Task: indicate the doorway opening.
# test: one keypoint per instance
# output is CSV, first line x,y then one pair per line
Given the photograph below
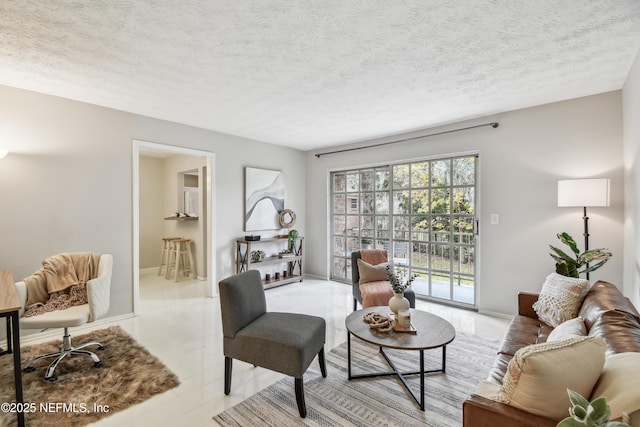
x,y
201,205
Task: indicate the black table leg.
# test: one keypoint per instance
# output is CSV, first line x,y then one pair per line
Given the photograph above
x,y
13,346
444,358
8,350
419,399
422,380
17,363
349,355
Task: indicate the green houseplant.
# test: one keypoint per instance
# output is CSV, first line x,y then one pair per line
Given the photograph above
x,y
585,413
293,235
257,256
570,266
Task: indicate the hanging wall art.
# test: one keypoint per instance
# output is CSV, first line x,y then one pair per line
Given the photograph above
x,y
264,199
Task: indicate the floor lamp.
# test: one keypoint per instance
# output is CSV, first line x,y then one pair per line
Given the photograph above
x,y
583,193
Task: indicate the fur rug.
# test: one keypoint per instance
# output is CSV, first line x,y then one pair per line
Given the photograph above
x,y
130,375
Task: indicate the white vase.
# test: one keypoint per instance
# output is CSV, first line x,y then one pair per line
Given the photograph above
x,y
398,302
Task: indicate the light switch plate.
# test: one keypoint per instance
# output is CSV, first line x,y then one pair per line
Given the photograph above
x,y
495,218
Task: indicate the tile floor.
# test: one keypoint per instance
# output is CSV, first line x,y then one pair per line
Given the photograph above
x,y
182,327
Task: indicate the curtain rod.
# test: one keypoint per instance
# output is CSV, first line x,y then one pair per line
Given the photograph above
x,y
492,124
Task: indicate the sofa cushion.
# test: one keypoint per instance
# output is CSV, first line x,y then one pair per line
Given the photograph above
x,y
487,389
372,273
604,296
560,298
619,383
610,315
570,329
499,368
538,375
524,331
619,329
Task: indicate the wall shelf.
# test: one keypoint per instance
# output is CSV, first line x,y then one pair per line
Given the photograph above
x,y
293,263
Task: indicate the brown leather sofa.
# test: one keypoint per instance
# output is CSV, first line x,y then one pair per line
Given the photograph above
x,y
606,313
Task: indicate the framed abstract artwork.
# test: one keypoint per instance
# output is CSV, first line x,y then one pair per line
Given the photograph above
x,y
264,198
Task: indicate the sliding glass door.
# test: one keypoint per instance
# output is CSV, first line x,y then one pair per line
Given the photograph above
x,y
422,213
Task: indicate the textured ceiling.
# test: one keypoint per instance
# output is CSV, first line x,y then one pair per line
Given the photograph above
x,y
309,74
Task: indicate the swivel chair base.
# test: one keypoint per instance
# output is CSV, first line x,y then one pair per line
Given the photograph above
x,y
66,349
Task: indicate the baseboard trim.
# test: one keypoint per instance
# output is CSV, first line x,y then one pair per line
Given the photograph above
x,y
55,333
314,276
148,270
496,314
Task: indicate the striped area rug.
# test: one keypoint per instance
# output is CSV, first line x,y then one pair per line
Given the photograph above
x,y
382,401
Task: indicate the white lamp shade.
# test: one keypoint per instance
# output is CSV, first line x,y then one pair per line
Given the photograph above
x,y
583,192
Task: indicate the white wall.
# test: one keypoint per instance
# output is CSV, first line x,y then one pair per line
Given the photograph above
x,y
631,120
520,164
151,210
67,183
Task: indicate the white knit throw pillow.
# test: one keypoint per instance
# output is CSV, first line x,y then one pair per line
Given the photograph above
x,y
560,299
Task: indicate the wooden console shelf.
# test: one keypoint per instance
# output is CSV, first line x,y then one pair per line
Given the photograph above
x,y
293,263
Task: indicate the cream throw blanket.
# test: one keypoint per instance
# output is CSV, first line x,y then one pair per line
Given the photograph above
x,y
61,282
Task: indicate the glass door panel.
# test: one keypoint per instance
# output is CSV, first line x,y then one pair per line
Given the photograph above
x,y
422,213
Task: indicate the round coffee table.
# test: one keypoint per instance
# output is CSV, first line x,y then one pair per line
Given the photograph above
x,y
432,332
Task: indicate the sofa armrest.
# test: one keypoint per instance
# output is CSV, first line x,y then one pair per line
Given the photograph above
x,y
478,411
525,304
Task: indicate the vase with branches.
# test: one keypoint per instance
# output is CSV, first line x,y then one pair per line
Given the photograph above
x,y
400,281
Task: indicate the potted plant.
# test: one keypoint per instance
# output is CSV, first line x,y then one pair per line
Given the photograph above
x,y
293,235
257,256
569,266
585,413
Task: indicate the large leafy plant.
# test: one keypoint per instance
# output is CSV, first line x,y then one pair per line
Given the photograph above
x,y
570,266
585,413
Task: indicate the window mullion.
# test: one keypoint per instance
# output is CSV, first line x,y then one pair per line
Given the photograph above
x,y
390,229
451,239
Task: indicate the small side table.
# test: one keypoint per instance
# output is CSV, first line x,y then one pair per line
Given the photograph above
x,y
10,310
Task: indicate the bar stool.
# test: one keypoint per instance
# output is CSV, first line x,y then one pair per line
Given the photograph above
x,y
180,253
167,244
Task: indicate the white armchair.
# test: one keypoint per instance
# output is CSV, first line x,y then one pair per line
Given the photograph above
x,y
98,293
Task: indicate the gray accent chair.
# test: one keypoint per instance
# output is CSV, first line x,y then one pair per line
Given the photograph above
x,y
355,283
282,342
